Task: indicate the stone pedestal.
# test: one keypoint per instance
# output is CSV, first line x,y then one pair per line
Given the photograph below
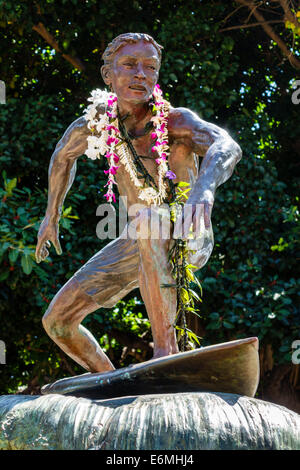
x,y
177,421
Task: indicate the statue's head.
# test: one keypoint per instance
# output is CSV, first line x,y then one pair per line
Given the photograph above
x,y
131,66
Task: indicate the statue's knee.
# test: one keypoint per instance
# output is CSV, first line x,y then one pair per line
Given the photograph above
x,y
47,320
64,312
55,323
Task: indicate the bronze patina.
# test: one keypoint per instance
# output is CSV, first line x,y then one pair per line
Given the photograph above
x,y
231,367
131,70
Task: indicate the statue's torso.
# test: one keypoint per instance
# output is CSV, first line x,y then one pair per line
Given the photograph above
x,y
182,161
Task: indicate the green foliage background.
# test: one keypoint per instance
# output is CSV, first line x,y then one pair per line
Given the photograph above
x,y
235,79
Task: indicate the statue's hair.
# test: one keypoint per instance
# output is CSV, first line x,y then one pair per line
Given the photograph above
x,y
126,38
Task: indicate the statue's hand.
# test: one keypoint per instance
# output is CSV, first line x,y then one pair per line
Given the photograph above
x,y
194,216
48,232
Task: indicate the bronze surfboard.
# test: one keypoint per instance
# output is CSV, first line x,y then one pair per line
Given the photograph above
x,y
231,367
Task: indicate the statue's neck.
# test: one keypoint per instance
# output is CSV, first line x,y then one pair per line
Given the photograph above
x,y
135,116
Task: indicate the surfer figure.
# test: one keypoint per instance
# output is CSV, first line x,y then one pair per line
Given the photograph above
x,y
149,147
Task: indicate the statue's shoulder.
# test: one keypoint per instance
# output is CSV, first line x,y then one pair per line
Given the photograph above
x,y
181,118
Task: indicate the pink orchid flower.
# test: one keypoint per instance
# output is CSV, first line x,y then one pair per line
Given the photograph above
x,y
111,127
112,140
111,100
110,196
170,175
112,170
111,115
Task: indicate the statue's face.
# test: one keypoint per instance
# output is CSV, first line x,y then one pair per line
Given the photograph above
x,y
134,72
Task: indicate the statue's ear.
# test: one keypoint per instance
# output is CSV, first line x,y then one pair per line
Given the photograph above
x,y
105,72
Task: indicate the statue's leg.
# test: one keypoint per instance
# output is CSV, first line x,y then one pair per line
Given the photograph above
x,y
101,282
155,270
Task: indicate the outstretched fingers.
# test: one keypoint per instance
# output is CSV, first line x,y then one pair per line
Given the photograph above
x,y
207,214
57,246
41,251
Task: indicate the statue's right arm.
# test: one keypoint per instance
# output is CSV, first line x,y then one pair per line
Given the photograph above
x,y
62,171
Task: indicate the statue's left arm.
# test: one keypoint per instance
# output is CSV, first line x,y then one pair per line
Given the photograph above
x,y
220,155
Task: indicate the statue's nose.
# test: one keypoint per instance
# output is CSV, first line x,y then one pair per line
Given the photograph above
x,y
140,72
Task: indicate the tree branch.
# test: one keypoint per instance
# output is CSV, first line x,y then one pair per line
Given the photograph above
x,y
232,13
251,25
42,31
271,33
288,14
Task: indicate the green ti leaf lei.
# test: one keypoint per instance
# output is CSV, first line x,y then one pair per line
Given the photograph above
x,y
183,274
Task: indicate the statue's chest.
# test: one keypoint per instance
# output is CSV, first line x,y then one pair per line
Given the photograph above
x,y
178,153
143,145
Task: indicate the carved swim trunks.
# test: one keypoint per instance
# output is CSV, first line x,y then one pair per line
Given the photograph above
x,y
113,272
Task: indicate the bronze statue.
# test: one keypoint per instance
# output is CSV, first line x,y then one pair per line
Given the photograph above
x,y
130,70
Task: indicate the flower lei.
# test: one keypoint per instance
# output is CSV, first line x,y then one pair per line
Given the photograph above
x,y
115,149
111,146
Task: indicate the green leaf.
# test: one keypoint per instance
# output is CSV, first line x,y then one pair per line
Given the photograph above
x,y
197,282
181,191
4,228
195,295
5,246
189,274
10,185
27,264
67,211
180,332
191,266
213,325
65,223
4,275
184,295
193,336
13,255
214,316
